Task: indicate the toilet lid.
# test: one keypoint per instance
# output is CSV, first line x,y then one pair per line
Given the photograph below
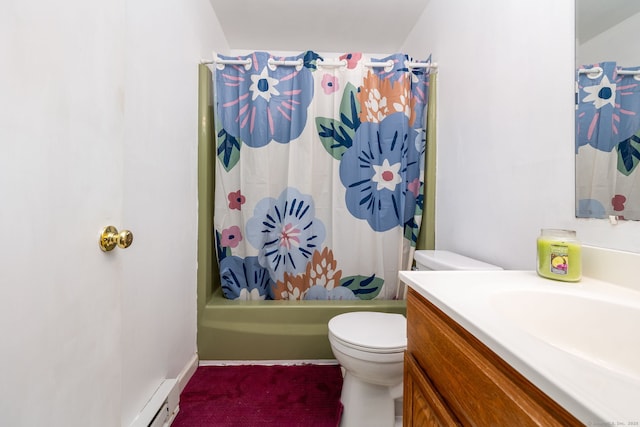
x,y
373,330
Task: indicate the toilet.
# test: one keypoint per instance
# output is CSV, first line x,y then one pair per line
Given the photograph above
x,y
370,348
445,260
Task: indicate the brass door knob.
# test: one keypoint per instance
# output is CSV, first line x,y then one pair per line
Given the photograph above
x,y
110,238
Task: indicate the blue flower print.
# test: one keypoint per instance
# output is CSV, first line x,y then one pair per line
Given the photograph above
x,y
396,71
421,145
377,171
419,94
244,279
285,232
596,107
606,107
590,208
264,103
418,83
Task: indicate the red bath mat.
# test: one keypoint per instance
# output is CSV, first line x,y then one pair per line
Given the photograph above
x,y
256,395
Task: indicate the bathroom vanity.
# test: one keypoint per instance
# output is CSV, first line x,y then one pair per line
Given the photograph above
x,y
452,378
473,357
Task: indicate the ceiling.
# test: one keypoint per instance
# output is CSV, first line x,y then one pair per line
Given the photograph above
x,y
596,16
372,26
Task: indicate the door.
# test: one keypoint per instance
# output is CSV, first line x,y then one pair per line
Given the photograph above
x,y
61,180
97,127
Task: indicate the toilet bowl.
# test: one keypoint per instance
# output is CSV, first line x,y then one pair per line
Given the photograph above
x,y
370,348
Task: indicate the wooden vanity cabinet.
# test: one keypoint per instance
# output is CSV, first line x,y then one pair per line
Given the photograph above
x,y
451,378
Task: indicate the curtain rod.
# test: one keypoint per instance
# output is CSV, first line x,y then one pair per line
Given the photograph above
x,y
272,62
596,71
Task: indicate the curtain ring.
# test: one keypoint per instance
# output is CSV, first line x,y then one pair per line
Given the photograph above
x,y
594,72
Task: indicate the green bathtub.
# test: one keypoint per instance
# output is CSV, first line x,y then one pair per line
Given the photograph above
x,y
274,330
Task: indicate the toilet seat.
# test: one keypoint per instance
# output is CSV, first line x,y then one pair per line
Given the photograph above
x,y
371,332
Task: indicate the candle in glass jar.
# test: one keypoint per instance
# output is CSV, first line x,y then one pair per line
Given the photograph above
x,y
559,255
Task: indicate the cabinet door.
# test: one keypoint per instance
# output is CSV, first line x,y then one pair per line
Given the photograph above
x,y
423,406
480,388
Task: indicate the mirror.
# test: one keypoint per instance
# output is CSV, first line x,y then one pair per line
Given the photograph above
x,y
607,109
602,33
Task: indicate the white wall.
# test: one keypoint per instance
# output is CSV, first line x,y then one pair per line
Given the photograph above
x,y
505,162
165,41
98,125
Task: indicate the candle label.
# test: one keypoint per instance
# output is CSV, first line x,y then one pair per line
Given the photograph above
x,y
559,259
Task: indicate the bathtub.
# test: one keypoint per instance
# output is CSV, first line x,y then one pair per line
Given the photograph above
x,y
274,330
253,330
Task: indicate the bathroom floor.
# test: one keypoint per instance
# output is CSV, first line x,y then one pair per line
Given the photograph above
x,y
259,395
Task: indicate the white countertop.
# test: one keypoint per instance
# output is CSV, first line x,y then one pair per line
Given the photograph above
x,y
593,393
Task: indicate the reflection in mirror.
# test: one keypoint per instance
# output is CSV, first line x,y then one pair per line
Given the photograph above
x,y
607,109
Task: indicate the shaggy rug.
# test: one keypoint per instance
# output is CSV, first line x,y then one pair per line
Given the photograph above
x,y
257,395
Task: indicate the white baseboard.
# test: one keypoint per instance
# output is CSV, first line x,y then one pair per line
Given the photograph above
x,y
268,362
161,407
181,382
164,404
187,372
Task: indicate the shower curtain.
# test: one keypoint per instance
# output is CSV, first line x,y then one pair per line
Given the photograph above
x,y
608,142
319,188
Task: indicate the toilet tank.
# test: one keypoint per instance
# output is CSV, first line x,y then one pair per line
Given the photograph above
x,y
445,260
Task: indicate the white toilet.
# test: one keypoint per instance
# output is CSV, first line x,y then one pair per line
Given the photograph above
x,y
370,348
445,260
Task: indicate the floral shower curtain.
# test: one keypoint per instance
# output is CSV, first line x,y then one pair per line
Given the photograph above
x,y
319,174
608,142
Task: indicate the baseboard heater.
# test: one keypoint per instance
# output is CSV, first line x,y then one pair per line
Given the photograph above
x,y
162,408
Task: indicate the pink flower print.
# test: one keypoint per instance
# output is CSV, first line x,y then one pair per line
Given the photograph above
x,y
414,187
618,202
352,59
330,84
289,236
236,200
231,237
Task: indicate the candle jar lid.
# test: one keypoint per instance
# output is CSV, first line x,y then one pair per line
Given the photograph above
x,y
558,233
